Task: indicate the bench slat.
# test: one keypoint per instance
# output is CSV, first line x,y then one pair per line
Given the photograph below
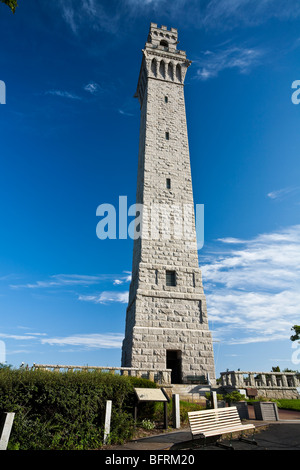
x,y
224,431
216,426
212,421
216,422
224,428
218,411
213,418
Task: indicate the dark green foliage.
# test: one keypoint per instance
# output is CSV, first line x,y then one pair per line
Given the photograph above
x,y
296,336
11,3
66,410
234,396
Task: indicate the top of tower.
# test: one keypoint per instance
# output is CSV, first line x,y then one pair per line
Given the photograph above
x,y
162,38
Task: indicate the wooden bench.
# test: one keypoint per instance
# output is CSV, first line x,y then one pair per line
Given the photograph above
x,y
217,422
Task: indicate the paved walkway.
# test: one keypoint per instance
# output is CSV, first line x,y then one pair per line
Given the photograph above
x,y
276,435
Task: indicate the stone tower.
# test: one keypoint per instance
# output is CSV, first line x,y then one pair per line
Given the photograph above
x,y
166,319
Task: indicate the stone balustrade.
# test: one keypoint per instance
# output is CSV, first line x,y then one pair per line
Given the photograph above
x,y
159,376
269,384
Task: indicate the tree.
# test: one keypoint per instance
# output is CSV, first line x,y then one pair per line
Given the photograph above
x,y
11,3
296,336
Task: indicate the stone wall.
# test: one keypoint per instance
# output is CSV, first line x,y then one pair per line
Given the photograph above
x,y
266,384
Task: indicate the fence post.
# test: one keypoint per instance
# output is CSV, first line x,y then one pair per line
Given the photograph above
x,y
214,400
176,412
5,429
107,420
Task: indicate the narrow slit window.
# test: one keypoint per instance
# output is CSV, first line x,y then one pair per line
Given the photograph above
x,y
166,99
167,136
170,278
201,311
168,183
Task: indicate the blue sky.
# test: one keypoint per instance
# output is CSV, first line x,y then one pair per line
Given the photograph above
x,y
69,142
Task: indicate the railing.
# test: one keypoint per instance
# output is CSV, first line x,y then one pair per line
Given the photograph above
x,y
161,376
239,379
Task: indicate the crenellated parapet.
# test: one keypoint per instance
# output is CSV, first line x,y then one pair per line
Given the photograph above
x,y
161,59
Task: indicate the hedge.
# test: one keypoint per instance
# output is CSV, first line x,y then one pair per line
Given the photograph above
x,y
66,410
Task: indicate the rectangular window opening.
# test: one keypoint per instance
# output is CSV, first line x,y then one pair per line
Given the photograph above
x,y
166,99
167,136
170,278
168,183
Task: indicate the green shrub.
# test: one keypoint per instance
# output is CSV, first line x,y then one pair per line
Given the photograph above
x,y
185,407
234,396
147,424
58,411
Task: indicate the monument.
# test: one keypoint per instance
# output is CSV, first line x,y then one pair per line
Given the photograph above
x,y
166,318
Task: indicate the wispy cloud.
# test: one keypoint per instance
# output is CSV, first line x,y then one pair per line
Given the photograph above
x,y
18,337
106,341
203,14
283,193
93,88
63,94
243,59
125,113
232,13
123,279
89,13
106,297
253,290
86,341
61,280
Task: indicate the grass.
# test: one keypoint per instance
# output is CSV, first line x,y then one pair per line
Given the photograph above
x,y
282,404
289,405
185,407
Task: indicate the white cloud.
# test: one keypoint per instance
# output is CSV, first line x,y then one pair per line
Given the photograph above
x,y
232,13
89,13
92,88
123,279
61,280
17,337
106,341
86,341
253,290
106,297
125,113
63,94
283,193
203,14
243,59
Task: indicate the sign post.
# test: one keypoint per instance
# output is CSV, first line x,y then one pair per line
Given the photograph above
x,y
5,429
152,394
176,412
107,421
